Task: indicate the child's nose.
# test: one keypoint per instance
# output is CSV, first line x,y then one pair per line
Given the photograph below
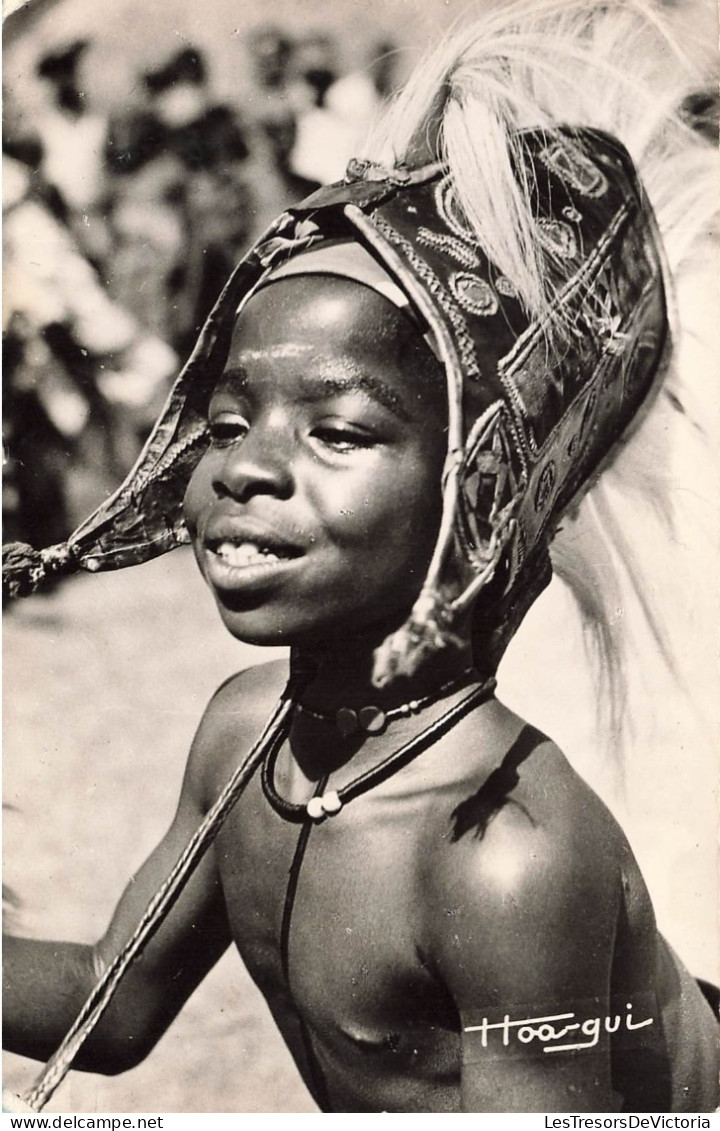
x,y
260,464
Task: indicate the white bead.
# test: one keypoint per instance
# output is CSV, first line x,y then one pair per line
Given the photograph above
x,y
315,808
331,802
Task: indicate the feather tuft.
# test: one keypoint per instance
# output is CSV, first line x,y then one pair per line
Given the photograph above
x,y
625,67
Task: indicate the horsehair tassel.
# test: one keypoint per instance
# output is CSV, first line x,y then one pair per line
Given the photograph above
x,y
25,568
61,1061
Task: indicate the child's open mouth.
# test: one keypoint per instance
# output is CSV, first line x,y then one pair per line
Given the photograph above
x,y
243,554
234,561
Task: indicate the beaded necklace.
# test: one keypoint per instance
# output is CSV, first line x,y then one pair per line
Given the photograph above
x,y
329,803
372,719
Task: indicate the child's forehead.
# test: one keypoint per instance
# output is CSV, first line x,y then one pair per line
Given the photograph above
x,y
331,327
292,315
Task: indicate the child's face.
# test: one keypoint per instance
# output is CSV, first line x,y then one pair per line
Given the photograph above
x,y
315,510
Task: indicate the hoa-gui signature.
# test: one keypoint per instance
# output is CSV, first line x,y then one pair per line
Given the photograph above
x,y
552,1029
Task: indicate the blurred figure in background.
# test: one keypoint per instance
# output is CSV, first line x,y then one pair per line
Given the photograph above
x,y
82,381
181,204
315,67
383,68
120,233
279,99
339,109
702,110
72,134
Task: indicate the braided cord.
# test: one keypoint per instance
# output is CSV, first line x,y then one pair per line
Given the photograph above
x,y
418,745
60,1062
298,812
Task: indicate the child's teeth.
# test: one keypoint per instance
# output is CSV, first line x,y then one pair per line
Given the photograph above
x,y
245,554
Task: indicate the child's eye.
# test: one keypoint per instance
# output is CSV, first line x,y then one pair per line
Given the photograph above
x,y
227,428
342,438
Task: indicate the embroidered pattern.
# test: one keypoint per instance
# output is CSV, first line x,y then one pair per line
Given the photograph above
x,y
474,294
465,343
450,245
488,494
558,238
504,287
523,371
575,168
546,483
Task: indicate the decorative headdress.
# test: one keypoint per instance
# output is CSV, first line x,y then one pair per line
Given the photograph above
x,y
529,254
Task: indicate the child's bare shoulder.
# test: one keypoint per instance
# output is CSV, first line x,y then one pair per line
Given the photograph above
x,y
232,721
532,853
250,694
546,824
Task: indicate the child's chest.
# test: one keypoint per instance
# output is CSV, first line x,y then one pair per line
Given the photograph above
x,y
328,920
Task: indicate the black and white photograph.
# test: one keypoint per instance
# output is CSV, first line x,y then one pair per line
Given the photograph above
x,y
361,545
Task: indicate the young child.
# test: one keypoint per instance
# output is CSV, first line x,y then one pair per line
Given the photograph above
x,y
404,386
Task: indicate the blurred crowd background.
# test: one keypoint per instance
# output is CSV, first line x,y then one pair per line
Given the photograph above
x,y
144,149
142,154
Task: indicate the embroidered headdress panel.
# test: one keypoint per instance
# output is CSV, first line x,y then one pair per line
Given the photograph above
x,y
533,404
540,402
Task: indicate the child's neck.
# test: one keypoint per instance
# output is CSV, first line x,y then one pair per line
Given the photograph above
x,y
340,675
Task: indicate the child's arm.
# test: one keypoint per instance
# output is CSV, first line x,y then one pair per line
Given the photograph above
x,y
45,983
529,936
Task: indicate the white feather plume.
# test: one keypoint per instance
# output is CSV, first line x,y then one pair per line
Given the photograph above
x,y
618,66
